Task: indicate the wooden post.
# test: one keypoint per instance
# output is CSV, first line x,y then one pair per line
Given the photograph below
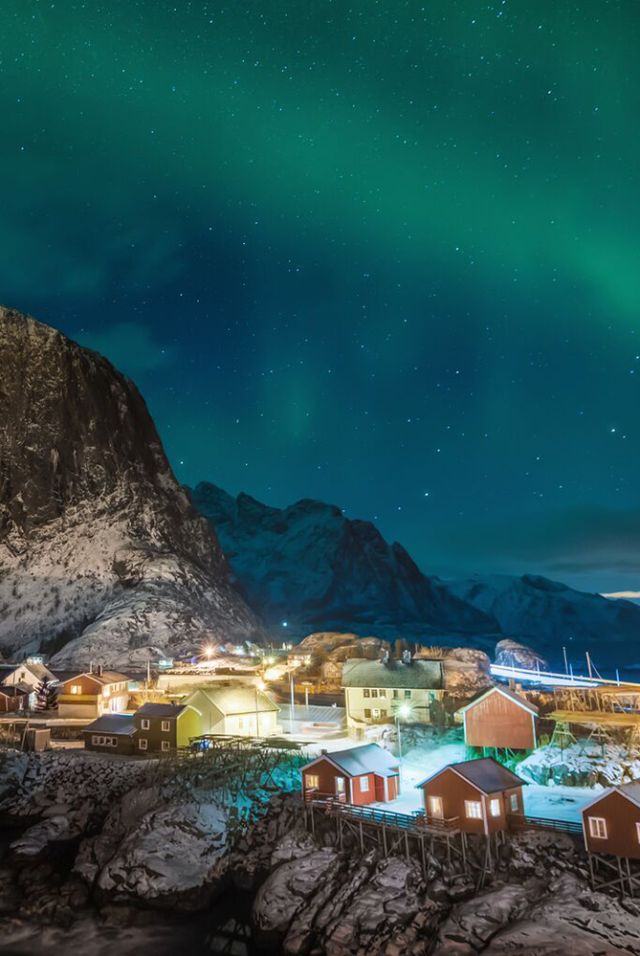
x,y
424,859
384,839
406,845
361,837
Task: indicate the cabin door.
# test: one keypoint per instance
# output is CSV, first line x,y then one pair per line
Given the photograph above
x,y
435,808
380,789
340,788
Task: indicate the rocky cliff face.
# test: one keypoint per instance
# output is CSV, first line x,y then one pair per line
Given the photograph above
x,y
101,552
314,568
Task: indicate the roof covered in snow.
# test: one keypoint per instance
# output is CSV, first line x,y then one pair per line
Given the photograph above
x,y
314,714
112,724
369,758
418,675
238,700
516,698
485,773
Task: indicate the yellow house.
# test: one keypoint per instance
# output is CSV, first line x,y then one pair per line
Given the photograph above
x,y
375,691
235,711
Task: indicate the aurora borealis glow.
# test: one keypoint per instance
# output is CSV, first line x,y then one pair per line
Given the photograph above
x,y
381,253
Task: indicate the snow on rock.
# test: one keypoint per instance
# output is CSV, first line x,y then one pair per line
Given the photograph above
x,y
101,550
175,855
578,766
36,840
510,653
286,891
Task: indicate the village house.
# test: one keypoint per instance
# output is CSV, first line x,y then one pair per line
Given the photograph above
x,y
235,711
93,693
111,733
360,775
29,674
611,822
162,728
13,699
376,690
479,795
500,719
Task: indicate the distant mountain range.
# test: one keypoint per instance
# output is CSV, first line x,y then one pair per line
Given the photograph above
x,y
315,569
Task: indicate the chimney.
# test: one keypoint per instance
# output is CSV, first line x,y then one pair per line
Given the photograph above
x,y
323,753
91,667
100,670
406,657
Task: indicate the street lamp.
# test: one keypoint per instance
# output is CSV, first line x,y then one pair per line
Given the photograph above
x,y
404,710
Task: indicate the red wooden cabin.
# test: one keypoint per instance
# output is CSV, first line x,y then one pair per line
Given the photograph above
x,y
611,822
358,776
479,795
501,719
13,699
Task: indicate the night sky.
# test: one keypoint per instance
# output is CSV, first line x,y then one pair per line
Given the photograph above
x,y
382,253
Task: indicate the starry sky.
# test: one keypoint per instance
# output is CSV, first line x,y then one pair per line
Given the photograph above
x,y
385,253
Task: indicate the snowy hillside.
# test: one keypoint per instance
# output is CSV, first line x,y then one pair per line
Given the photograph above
x,y
548,615
310,565
101,551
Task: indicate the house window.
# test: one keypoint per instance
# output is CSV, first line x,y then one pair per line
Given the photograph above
x,y
396,694
375,713
367,713
513,802
142,743
374,692
366,692
106,691
114,741
638,831
164,745
364,785
382,692
598,828
473,809
407,695
383,713
166,726
435,807
144,723
75,689
494,807
312,781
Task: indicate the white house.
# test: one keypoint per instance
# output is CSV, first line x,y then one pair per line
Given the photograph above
x,y
235,711
376,690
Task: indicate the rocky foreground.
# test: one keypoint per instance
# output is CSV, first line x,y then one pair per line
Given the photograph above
x,y
125,854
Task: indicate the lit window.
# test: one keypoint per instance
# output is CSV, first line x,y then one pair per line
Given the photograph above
x,y
364,785
375,713
106,691
513,802
367,713
312,781
114,741
144,723
473,809
94,740
165,726
598,828
638,831
374,692
494,807
142,743
382,692
435,806
165,745
75,689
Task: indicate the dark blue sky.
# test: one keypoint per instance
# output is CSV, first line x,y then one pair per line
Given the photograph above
x,y
383,254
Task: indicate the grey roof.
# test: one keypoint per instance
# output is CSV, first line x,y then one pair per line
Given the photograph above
x,y
315,714
485,773
631,790
418,675
369,758
112,724
106,677
159,710
516,698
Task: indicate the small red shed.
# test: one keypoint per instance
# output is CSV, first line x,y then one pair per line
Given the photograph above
x,y
478,794
611,822
502,719
361,775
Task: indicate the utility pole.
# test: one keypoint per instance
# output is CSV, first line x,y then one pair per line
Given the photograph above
x,y
293,701
589,664
566,663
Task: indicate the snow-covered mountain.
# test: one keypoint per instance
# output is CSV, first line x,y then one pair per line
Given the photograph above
x,y
548,615
101,553
314,568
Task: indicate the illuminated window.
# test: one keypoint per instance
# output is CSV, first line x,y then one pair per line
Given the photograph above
x,y
435,806
374,692
494,807
473,809
513,802
312,781
166,726
598,828
382,692
142,743
638,831
364,785
375,713
144,723
367,713
75,689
